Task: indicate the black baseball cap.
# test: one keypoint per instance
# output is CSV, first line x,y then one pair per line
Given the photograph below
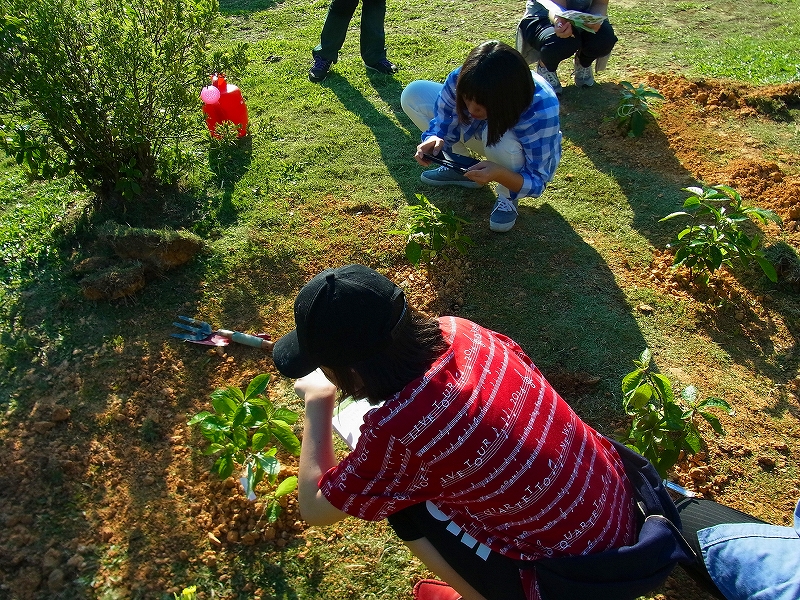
x,y
342,316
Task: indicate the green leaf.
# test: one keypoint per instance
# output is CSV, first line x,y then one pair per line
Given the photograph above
x,y
242,413
631,381
224,467
693,441
199,417
286,436
714,422
712,402
273,511
664,387
225,401
689,394
269,464
768,269
284,414
259,441
239,435
641,397
413,252
287,486
257,386
673,215
674,417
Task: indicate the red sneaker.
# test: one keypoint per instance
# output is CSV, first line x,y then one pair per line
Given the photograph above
x,y
431,589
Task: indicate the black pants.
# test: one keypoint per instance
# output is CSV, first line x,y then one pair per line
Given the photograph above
x,y
496,577
539,33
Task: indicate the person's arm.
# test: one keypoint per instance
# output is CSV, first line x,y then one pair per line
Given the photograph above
x,y
598,7
486,171
316,455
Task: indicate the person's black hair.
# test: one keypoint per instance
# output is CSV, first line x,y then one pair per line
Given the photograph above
x,y
417,346
498,78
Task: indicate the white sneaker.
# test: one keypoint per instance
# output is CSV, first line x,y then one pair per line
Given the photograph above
x,y
550,77
583,75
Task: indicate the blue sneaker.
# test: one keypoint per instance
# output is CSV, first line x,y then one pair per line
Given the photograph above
x,y
504,215
384,66
447,176
319,71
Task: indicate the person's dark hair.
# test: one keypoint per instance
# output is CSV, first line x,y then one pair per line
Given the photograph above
x,y
497,77
418,344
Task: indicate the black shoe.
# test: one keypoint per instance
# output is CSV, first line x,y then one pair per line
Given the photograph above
x,y
320,69
384,66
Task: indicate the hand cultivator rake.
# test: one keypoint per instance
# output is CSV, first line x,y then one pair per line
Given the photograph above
x,y
201,332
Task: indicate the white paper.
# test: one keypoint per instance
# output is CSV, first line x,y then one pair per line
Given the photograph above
x,y
348,417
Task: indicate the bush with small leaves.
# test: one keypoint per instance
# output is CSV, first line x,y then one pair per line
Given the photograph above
x,y
431,233
662,426
715,236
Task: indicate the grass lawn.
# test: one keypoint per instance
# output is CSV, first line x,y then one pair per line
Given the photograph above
x,y
324,176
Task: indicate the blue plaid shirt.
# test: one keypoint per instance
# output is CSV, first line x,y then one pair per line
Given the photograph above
x,y
537,130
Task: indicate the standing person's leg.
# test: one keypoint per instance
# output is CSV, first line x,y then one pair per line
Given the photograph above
x,y
332,38
471,568
334,30
373,36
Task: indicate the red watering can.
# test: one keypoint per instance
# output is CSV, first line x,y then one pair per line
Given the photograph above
x,y
222,101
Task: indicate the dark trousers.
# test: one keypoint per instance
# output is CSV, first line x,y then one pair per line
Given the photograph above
x,y
496,578
334,31
539,33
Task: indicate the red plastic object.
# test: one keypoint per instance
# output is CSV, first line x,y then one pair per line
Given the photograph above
x,y
229,107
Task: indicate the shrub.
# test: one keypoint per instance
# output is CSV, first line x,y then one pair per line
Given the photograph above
x,y
241,433
112,83
431,233
663,426
714,236
634,109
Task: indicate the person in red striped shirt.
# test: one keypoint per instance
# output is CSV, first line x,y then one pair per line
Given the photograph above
x,y
471,455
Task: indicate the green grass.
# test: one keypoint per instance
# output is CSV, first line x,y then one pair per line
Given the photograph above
x,y
323,178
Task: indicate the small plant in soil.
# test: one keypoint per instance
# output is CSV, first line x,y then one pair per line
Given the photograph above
x,y
634,108
715,236
242,430
662,424
431,233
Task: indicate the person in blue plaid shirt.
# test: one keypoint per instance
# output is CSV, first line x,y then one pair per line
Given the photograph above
x,y
496,107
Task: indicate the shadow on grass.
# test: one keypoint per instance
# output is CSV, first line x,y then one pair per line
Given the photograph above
x,y
645,168
651,179
231,7
229,161
397,146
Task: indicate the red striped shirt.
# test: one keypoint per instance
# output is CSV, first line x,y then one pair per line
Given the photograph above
x,y
485,437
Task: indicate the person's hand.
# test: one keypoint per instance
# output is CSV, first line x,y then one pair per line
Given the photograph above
x,y
433,145
484,172
563,28
315,386
594,26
